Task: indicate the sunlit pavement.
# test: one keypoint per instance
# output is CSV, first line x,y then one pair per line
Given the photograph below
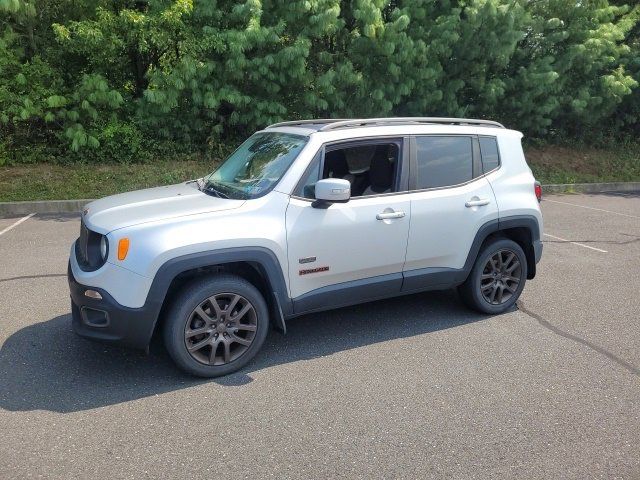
x,y
414,387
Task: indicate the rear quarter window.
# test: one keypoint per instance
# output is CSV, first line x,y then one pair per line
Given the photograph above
x,y
490,154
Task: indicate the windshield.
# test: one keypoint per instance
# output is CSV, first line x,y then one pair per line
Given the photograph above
x,y
256,166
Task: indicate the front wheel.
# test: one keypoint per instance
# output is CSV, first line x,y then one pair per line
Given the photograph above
x,y
216,325
497,278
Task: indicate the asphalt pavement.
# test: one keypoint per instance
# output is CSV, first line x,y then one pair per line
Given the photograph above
x,y
414,387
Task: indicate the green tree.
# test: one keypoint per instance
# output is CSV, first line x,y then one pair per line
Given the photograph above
x,y
568,71
101,79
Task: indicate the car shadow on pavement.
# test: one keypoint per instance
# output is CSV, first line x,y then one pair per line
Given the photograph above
x,y
47,367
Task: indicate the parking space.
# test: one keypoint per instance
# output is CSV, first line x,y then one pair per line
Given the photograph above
x,y
8,224
413,387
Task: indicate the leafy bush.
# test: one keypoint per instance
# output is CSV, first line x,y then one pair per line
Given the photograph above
x,y
122,142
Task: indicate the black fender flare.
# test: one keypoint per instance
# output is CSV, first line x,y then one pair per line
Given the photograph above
x,y
494,226
262,257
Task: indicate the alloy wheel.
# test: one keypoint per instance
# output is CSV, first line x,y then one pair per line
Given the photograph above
x,y
221,329
501,277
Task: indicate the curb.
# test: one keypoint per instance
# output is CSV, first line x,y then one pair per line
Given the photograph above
x,y
8,209
591,187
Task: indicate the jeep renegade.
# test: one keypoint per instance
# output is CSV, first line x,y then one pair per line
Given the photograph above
x,y
307,216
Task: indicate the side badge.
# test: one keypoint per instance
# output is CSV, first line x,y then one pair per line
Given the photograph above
x,y
314,270
307,259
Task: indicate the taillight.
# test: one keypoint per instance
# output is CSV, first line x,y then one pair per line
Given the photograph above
x,y
538,190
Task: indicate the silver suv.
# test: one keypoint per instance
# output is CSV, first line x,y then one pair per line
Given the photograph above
x,y
307,216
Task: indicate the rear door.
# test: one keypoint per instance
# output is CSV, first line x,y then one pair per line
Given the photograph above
x,y
450,200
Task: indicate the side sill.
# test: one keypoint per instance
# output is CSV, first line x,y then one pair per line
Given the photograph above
x,y
348,293
376,288
432,278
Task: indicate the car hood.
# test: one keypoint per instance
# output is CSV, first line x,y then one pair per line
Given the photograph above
x,y
152,204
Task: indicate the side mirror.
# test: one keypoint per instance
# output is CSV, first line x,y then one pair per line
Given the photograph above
x,y
331,190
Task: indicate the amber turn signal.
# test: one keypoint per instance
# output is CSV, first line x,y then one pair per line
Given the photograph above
x,y
123,248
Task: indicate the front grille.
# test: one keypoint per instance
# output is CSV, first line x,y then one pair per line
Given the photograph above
x,y
88,249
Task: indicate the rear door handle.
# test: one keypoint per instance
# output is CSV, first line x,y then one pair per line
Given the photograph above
x,y
477,203
388,215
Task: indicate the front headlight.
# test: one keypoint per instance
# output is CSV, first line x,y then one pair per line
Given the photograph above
x,y
92,249
104,248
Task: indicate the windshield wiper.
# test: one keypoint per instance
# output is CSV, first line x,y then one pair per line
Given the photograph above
x,y
210,189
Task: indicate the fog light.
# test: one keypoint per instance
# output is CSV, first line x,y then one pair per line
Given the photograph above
x,y
93,294
94,318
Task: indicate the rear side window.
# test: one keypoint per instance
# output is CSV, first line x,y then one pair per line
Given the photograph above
x,y
443,161
490,155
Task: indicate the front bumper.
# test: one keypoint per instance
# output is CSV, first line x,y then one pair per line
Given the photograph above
x,y
108,321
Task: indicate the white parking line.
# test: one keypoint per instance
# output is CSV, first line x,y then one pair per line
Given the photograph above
x,y
576,243
592,208
15,224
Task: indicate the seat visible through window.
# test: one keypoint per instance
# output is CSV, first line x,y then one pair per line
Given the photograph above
x,y
336,166
369,168
380,172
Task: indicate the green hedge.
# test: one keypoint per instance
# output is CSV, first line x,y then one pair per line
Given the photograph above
x,y
125,80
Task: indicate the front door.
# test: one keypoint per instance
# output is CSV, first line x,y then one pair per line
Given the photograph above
x,y
363,239
354,251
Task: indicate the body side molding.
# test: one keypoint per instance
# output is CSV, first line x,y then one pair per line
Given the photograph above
x,y
432,278
348,293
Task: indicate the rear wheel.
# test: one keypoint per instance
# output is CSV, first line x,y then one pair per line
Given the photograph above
x,y
497,278
216,325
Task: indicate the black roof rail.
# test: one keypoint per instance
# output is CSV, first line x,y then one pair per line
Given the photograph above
x,y
364,122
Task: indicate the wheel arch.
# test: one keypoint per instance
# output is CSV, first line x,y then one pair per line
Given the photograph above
x,y
257,265
525,231
522,229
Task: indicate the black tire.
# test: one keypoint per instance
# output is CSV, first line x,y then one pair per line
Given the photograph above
x,y
183,321
483,280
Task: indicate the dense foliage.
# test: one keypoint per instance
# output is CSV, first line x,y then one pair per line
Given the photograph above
x,y
126,79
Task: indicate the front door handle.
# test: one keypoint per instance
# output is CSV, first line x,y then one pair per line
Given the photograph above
x,y
388,215
477,203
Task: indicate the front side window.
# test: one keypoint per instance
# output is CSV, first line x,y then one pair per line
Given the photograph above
x,y
307,186
370,168
443,161
256,166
